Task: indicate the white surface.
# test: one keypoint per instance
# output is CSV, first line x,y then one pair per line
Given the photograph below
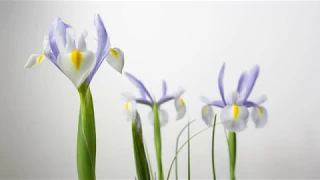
x,y
184,43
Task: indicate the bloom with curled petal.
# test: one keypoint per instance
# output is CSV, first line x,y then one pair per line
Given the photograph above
x,y
36,59
148,100
73,58
234,114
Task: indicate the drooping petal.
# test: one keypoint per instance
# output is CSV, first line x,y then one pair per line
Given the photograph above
x,y
180,106
57,26
164,88
220,83
234,117
34,59
179,92
260,99
259,116
115,58
76,65
139,85
131,109
207,114
102,45
163,117
251,80
241,82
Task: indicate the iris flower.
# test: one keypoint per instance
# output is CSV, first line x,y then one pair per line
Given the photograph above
x,y
74,59
234,114
147,99
157,116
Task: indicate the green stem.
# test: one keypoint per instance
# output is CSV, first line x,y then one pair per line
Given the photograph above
x,y
213,132
232,143
86,142
157,141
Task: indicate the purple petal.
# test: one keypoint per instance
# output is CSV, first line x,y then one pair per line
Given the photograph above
x,y
241,82
143,101
102,49
251,80
60,26
139,85
220,81
164,88
165,99
249,104
220,104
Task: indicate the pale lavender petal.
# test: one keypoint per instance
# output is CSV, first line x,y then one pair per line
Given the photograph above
x,y
102,49
241,82
164,88
251,80
165,99
220,83
139,85
143,95
249,104
60,26
143,101
220,104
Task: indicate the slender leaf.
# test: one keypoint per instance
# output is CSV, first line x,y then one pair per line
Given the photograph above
x,y
213,135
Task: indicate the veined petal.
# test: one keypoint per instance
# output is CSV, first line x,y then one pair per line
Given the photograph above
x,y
259,116
115,58
180,106
102,45
207,114
131,109
220,83
164,88
234,117
163,117
251,80
76,65
139,85
34,59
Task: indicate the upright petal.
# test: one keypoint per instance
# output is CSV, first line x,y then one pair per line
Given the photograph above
x,y
164,88
251,80
163,117
57,26
259,116
115,58
241,82
76,65
207,114
82,45
70,46
102,45
180,107
220,83
139,85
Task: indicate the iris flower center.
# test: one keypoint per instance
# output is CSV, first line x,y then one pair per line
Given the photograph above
x,y
235,111
76,58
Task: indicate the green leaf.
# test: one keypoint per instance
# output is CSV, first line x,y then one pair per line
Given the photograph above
x,y
157,141
213,133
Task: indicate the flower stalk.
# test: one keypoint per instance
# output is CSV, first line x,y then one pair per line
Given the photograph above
x,y
232,144
157,141
86,141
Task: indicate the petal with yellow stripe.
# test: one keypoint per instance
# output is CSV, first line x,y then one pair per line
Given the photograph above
x,y
115,58
131,110
234,117
180,107
76,65
207,114
34,59
259,116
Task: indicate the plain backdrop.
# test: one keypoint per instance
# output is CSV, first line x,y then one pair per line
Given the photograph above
x,y
184,43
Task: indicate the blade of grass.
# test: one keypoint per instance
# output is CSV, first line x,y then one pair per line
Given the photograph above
x,y
213,132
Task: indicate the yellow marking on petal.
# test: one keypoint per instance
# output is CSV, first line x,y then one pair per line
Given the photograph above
x,y
235,111
40,58
127,106
260,110
114,53
205,110
181,101
76,58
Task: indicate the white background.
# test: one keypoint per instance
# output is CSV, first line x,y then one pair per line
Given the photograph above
x,y
184,43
